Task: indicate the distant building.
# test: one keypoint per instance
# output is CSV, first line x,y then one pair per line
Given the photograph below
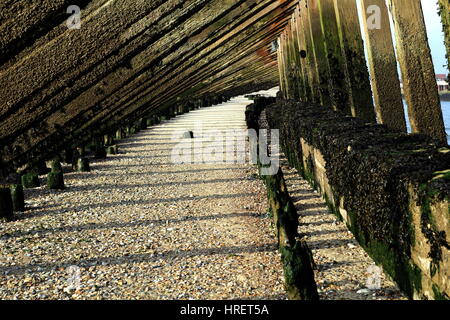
x,y
442,82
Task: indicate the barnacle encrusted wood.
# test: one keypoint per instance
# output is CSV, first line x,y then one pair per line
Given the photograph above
x,y
127,61
390,188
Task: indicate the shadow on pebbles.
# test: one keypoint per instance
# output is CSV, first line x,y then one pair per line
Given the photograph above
x,y
139,226
344,269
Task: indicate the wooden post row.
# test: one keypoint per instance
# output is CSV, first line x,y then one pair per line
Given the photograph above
x,y
416,64
382,63
322,60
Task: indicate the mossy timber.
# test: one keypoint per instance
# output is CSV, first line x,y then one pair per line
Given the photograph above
x,y
55,180
6,204
18,198
296,256
156,55
30,180
83,165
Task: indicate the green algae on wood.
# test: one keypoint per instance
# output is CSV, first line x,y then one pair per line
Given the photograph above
x,y
55,180
298,272
383,66
83,165
18,198
112,150
55,165
30,180
6,204
416,64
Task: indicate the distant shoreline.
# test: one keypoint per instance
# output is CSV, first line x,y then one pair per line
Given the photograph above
x,y
445,96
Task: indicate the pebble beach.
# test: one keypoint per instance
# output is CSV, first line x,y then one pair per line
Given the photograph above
x,y
139,226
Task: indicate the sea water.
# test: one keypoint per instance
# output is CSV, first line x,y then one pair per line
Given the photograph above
x,y
446,113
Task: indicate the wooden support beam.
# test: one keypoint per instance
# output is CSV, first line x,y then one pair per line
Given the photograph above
x,y
294,57
353,50
292,81
416,64
299,38
318,41
261,16
339,78
280,65
383,64
181,58
287,89
309,56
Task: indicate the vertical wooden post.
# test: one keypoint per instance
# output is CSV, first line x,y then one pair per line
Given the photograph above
x,y
353,50
294,63
280,65
444,11
293,89
305,92
285,90
285,66
318,41
383,64
301,44
310,57
419,78
17,197
339,79
6,205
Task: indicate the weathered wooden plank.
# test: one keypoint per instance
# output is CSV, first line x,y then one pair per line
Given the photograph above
x,y
299,38
295,61
295,57
353,51
339,79
280,65
416,64
91,114
288,89
309,56
383,64
290,61
283,65
318,41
